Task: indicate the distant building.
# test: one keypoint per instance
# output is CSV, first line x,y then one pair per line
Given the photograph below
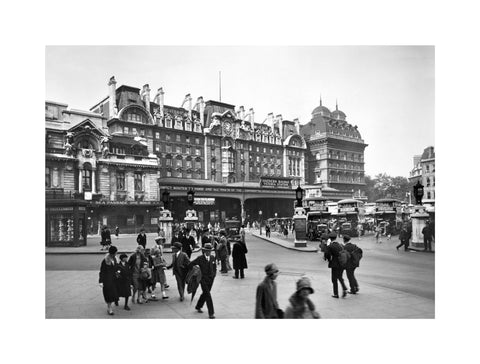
x,y
424,171
335,155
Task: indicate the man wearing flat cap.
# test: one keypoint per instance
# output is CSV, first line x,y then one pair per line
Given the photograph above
x,y
208,268
179,264
266,305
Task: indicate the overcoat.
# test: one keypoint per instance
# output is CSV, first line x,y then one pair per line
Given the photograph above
x,y
238,254
107,276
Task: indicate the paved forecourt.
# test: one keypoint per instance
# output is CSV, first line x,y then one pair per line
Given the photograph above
x,y
76,294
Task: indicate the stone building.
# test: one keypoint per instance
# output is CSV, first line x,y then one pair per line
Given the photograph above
x,y
335,155
424,171
117,159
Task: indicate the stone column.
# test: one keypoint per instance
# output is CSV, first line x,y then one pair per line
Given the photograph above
x,y
93,182
80,175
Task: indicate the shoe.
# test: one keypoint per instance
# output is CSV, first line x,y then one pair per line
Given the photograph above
x,y
335,295
397,247
181,299
165,298
153,297
167,286
211,317
199,310
242,277
352,292
116,303
235,277
126,308
344,294
111,313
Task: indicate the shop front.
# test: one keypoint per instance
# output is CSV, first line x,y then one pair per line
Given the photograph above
x,y
65,223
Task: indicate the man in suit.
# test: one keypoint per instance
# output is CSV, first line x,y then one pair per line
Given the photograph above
x,y
208,267
331,254
179,264
352,264
142,239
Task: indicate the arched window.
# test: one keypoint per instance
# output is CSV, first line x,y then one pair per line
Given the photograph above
x,y
87,177
48,180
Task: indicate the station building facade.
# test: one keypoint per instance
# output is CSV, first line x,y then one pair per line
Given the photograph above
x,y
117,158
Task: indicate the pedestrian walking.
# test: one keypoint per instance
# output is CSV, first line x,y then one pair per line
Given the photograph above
x,y
239,250
266,305
106,238
135,263
158,272
208,268
124,280
332,253
285,232
353,263
179,264
117,231
404,238
377,234
222,251
146,277
427,237
188,243
107,278
142,239
300,306
267,230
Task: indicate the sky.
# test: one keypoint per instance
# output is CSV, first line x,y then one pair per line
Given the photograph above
x,y
387,91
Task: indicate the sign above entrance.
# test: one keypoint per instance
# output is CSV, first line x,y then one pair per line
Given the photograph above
x,y
204,201
275,182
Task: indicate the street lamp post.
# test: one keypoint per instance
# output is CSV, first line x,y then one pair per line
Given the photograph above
x,y
300,220
190,215
165,221
419,217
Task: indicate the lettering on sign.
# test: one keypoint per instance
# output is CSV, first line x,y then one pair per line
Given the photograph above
x,y
204,201
347,209
61,209
275,183
385,208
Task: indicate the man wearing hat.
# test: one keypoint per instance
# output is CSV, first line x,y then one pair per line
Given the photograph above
x,y
266,305
179,264
352,263
331,254
142,238
301,307
208,267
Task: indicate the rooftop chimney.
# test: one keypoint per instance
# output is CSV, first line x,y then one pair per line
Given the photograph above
x,y
297,125
159,100
146,96
112,103
270,119
252,116
241,113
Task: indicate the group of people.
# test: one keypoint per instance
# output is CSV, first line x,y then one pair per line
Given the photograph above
x,y
133,276
138,275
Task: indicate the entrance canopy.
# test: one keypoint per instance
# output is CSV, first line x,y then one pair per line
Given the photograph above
x,y
241,190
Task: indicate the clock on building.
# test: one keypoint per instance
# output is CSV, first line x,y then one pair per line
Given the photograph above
x,y
227,127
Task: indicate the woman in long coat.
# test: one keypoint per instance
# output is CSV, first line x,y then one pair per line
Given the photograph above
x,y
124,281
107,278
239,259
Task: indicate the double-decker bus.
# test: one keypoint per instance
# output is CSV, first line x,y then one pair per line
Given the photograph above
x,y
389,215
318,217
351,213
